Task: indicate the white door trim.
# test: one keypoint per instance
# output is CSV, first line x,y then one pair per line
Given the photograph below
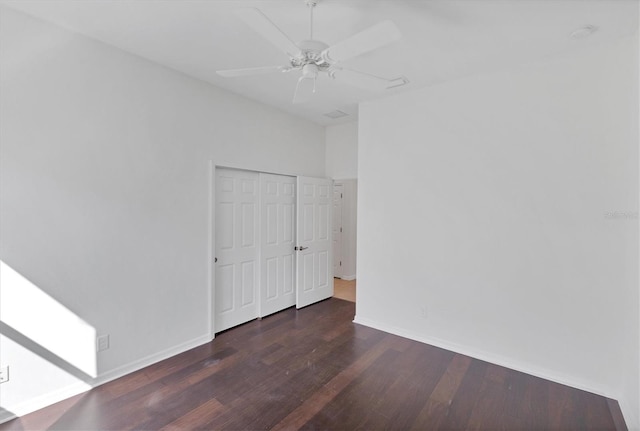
x,y
211,235
336,228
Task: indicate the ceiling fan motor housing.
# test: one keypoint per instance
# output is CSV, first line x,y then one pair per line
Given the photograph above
x,y
311,54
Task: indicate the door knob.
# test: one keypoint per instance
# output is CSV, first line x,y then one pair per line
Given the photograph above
x,y
300,248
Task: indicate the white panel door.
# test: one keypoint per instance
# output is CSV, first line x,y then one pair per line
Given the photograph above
x,y
313,256
236,275
337,230
277,259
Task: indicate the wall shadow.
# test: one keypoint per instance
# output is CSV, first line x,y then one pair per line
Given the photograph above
x,y
44,353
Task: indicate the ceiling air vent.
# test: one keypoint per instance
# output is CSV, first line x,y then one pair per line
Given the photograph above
x,y
398,82
335,114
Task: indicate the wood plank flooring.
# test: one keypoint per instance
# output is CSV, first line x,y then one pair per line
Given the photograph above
x,y
313,369
344,289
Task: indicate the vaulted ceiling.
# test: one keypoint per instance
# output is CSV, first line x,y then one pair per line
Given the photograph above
x,y
442,39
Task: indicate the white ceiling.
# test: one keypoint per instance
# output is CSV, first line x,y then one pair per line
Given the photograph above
x,y
442,39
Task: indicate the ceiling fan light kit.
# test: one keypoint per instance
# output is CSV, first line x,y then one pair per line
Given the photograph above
x,y
313,57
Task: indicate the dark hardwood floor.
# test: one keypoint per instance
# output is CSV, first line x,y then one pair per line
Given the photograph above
x,y
314,369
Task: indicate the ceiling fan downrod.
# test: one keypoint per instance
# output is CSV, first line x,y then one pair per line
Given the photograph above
x,y
312,4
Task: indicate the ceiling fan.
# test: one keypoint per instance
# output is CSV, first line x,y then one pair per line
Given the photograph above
x,y
313,57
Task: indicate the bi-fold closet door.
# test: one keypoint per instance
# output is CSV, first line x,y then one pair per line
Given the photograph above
x,y
277,244
272,244
237,246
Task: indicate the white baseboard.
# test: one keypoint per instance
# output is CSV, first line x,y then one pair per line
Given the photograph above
x,y
77,388
488,357
45,400
149,360
630,415
7,416
348,277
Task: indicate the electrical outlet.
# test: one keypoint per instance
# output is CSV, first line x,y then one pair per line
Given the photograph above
x,y
102,342
4,374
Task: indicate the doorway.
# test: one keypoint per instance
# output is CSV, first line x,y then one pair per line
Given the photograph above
x,y
344,238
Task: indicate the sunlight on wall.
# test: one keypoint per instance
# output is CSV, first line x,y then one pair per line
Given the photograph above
x,y
43,320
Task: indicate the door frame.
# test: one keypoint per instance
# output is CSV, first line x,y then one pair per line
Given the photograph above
x,y
211,240
336,184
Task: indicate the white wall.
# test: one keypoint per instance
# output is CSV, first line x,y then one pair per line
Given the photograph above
x,y
105,187
504,215
341,160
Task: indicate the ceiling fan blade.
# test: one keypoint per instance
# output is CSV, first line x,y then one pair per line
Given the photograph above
x,y
304,89
377,36
361,79
230,73
262,25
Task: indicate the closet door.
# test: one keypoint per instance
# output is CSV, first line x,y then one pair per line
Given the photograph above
x,y
237,247
314,245
277,260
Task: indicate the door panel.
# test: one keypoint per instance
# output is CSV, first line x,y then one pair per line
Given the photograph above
x,y
248,285
289,211
277,201
225,285
289,276
272,277
307,220
314,272
236,248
